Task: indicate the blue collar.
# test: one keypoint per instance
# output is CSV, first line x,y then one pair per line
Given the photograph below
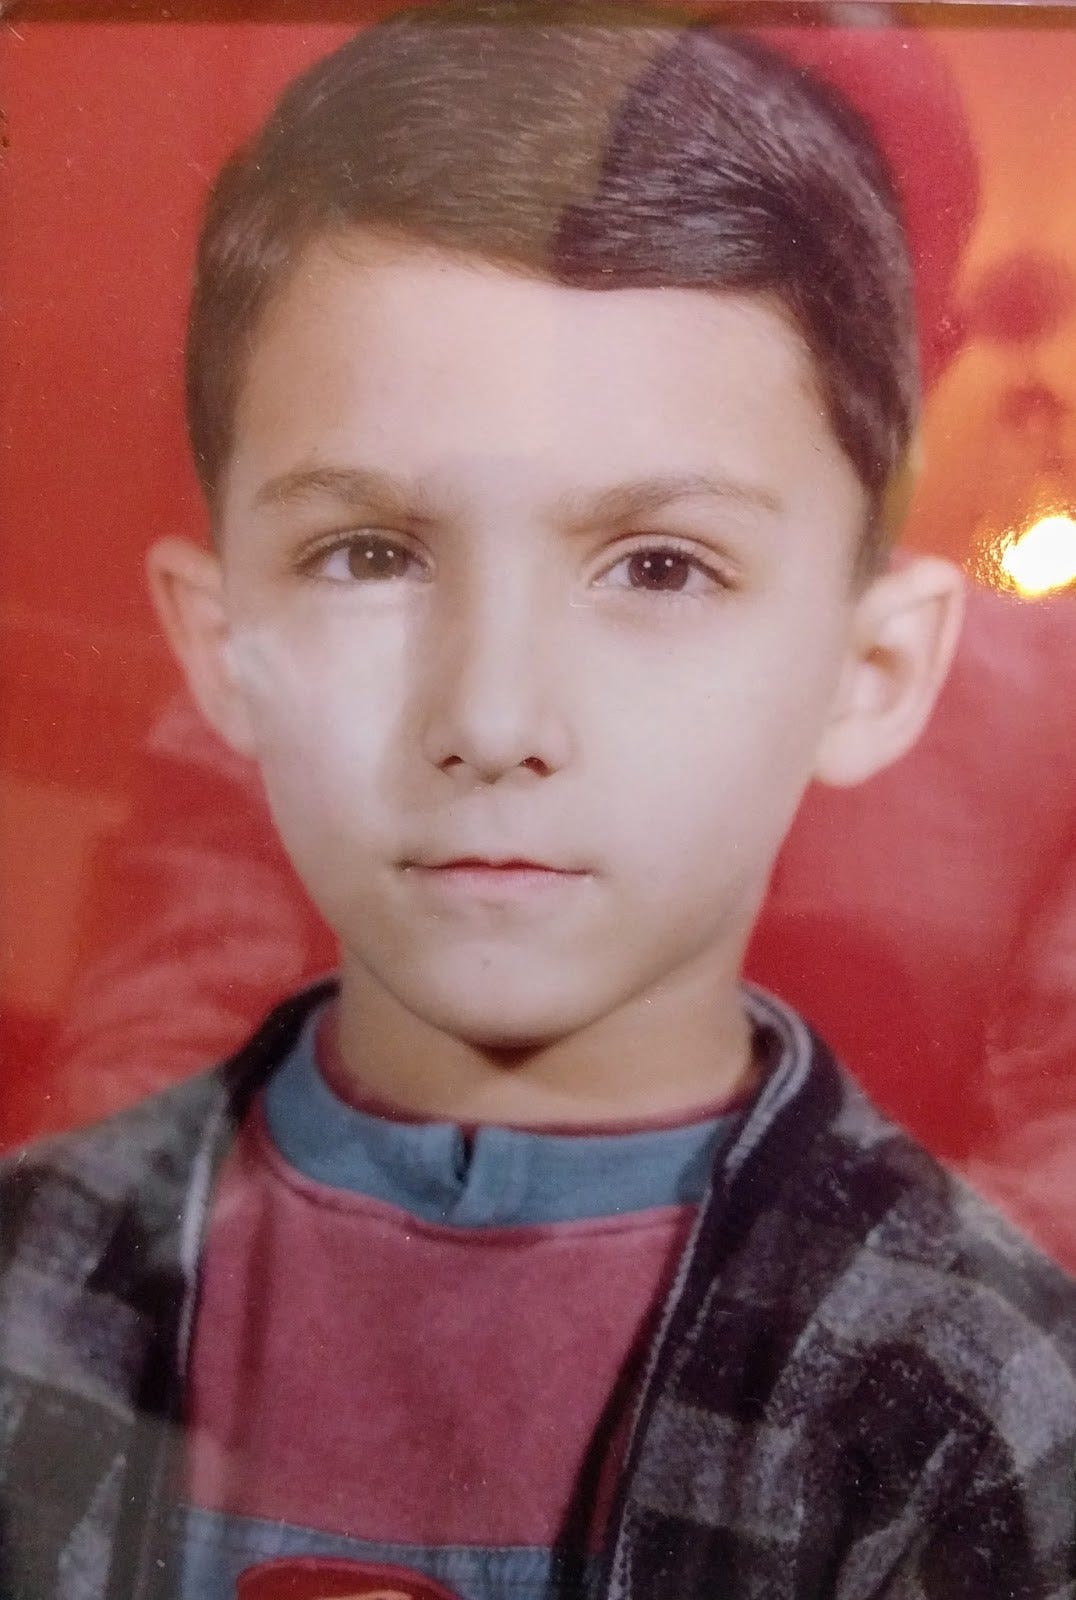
x,y
498,1176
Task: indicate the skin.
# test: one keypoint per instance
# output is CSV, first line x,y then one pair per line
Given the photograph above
x,y
515,572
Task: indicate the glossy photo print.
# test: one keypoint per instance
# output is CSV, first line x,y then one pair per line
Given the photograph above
x,y
538,978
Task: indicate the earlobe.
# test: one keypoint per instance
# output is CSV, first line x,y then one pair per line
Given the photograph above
x,y
904,633
187,588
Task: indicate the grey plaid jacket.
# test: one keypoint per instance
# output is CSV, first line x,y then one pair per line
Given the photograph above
x,y
863,1386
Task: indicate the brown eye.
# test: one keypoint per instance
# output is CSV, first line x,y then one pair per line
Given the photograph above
x,y
665,570
377,558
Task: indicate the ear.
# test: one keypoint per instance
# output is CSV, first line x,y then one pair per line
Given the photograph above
x,y
905,629
187,587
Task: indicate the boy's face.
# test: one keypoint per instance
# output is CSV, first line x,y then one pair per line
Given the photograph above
x,y
520,573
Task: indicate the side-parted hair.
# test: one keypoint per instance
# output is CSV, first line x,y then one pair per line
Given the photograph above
x,y
598,146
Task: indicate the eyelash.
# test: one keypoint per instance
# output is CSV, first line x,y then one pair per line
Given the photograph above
x,y
716,575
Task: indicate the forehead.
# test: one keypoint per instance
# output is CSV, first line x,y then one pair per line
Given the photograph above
x,y
466,379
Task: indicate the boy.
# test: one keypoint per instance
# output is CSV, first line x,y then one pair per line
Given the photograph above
x,y
552,382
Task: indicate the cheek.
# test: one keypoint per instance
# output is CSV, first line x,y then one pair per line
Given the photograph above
x,y
716,746
323,716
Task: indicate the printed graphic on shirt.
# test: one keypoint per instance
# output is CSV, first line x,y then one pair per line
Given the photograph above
x,y
324,1578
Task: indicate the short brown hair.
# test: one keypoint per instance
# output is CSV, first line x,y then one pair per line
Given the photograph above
x,y
597,145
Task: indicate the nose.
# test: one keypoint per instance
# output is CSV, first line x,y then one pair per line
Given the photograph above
x,y
495,701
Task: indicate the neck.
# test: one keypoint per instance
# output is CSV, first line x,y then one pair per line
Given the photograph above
x,y
684,1045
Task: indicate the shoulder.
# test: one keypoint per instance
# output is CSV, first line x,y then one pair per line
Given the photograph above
x,y
903,1248
909,1221
890,1304
89,1223
61,1197
818,1162
101,1231
90,1271
103,1164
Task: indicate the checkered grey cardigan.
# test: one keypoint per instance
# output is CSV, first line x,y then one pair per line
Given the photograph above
x,y
862,1387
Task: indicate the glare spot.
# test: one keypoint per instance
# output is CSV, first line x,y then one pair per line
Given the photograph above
x,y
1042,559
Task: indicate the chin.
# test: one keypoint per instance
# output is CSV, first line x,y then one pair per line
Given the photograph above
x,y
521,1030
494,1017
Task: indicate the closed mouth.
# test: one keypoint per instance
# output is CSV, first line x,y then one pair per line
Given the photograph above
x,y
482,863
493,866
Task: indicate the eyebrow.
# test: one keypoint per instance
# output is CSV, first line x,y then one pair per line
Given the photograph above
x,y
622,502
349,485
628,500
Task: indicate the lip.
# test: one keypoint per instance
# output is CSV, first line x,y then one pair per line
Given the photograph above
x,y
488,864
496,878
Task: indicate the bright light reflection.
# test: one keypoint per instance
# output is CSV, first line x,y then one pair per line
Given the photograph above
x,y
1043,558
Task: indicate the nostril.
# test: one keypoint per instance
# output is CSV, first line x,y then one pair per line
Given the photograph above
x,y
1021,299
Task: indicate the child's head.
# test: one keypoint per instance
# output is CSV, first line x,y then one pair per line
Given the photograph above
x,y
550,373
